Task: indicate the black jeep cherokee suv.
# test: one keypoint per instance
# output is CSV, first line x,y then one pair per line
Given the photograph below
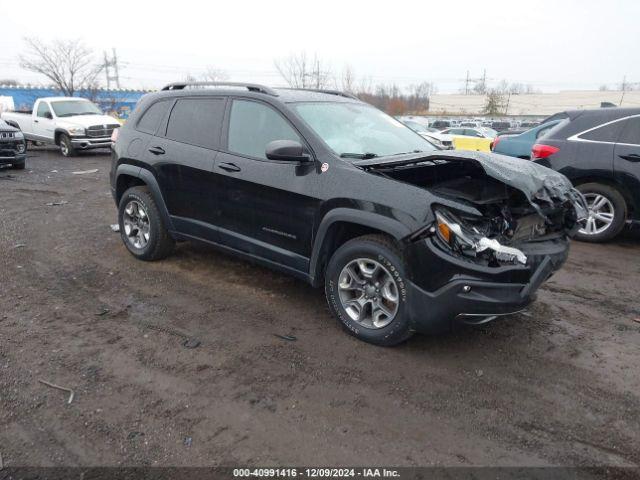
x,y
13,147
403,236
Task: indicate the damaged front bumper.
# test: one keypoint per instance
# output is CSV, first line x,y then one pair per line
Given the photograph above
x,y
444,290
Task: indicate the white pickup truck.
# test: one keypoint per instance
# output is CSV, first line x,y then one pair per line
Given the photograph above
x,y
71,123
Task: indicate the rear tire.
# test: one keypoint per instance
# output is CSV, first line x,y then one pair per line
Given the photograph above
x,y
366,291
607,213
141,226
66,147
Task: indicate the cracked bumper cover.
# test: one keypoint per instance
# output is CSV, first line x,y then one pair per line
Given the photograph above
x,y
444,290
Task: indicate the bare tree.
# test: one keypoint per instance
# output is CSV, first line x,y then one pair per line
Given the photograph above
x,y
301,72
9,82
69,64
213,74
348,79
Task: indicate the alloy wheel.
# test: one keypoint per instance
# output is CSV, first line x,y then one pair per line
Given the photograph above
x,y
600,214
368,293
136,224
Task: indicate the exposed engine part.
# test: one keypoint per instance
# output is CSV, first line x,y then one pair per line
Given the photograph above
x,y
502,252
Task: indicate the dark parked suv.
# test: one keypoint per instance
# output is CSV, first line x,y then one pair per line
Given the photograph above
x,y
13,147
404,237
599,151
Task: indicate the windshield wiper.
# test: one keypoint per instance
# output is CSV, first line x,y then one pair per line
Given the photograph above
x,y
405,153
362,156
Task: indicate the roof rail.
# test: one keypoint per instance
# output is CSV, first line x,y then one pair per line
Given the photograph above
x,y
330,92
252,87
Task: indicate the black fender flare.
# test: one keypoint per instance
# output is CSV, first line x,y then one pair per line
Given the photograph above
x,y
56,135
150,181
387,225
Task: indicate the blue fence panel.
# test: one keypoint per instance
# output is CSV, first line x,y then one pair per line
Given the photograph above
x,y
116,102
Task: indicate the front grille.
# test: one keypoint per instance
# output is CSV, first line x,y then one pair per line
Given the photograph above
x,y
4,152
7,135
101,130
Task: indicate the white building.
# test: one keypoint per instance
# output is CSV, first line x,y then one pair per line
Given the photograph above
x,y
534,104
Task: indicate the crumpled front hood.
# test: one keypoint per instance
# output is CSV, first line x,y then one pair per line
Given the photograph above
x,y
538,183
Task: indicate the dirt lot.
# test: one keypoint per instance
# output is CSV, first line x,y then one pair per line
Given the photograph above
x,y
557,385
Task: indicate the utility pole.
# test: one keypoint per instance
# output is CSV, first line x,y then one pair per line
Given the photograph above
x,y
466,84
111,70
624,89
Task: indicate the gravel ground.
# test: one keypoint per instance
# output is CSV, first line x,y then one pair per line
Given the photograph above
x,y
556,385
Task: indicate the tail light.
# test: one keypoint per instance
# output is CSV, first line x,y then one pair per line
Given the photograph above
x,y
540,150
494,143
114,134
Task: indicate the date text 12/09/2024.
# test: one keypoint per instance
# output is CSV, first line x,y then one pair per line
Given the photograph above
x,y
316,472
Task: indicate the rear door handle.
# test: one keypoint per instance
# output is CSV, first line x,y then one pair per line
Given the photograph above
x,y
632,157
35,121
157,150
230,167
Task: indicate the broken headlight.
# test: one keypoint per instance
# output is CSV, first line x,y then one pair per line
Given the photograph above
x,y
469,236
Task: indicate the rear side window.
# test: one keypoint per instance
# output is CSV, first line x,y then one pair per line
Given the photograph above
x,y
196,121
253,125
605,133
152,116
630,131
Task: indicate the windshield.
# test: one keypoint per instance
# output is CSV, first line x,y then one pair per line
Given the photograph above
x,y
416,127
68,108
360,131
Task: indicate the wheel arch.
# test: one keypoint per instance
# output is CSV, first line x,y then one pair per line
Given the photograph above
x,y
58,133
128,176
609,182
341,225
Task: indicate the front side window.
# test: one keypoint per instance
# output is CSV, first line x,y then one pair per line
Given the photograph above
x,y
253,125
43,109
196,121
70,108
358,129
631,132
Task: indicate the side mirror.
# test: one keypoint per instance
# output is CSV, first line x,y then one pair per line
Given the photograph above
x,y
287,150
48,115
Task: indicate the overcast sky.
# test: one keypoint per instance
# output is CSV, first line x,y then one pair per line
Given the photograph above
x,y
553,45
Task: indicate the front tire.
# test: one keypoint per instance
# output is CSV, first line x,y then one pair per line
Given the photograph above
x,y
366,291
66,147
607,213
20,165
141,226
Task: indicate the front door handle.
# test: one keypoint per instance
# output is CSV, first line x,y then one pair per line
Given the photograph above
x,y
632,157
230,167
35,121
157,150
